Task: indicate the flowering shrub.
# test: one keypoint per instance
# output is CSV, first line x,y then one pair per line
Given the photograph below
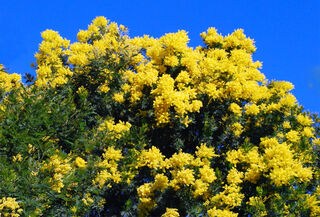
x,y
120,126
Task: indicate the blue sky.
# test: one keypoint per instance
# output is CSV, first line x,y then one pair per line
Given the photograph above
x,y
287,33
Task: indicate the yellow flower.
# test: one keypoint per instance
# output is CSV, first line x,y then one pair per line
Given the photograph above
x,y
145,191
236,109
10,207
74,209
183,177
207,174
234,176
151,158
235,156
304,120
293,136
252,109
200,188
308,132
286,125
79,162
18,158
204,151
237,129
171,212
118,97
214,212
211,37
160,182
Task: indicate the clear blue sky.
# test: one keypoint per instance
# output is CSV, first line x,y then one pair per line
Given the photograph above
x,y
287,33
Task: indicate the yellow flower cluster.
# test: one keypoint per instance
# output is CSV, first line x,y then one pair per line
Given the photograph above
x,y
109,167
87,200
293,136
236,109
252,109
9,81
258,204
57,61
304,120
115,131
312,201
278,159
151,158
183,100
237,129
9,207
146,190
204,68
59,168
171,212
80,163
223,70
205,152
18,158
186,171
214,212
51,68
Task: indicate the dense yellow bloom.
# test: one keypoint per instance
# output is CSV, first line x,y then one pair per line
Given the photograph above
x,y
58,167
118,97
102,178
145,192
116,131
231,196
9,81
252,109
203,151
239,39
200,188
304,120
10,207
80,163
212,38
213,93
234,176
308,132
151,158
179,160
214,212
235,156
313,203
293,136
171,212
269,142
160,182
281,87
288,101
111,156
51,69
236,109
183,177
316,141
280,159
286,125
207,174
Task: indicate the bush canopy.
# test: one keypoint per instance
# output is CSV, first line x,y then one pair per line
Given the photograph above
x,y
143,126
